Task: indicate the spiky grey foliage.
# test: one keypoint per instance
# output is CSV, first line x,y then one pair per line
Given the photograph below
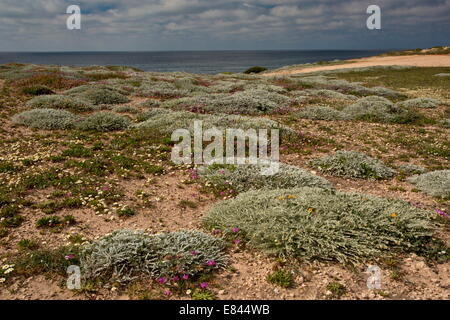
x,y
126,255
243,102
151,103
376,109
322,113
99,94
172,120
330,94
60,102
125,109
47,119
352,164
247,177
408,168
104,121
435,183
319,224
426,103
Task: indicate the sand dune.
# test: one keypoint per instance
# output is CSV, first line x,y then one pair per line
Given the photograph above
x,y
413,60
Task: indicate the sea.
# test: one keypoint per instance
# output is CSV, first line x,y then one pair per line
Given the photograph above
x,y
207,62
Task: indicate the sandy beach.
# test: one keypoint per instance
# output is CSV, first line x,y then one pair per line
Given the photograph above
x,y
412,60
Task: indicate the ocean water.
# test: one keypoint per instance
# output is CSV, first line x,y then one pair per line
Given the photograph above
x,y
211,62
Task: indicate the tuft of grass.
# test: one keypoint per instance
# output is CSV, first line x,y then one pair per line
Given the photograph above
x,y
282,278
337,290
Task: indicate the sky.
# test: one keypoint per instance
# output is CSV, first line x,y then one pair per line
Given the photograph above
x,y
159,25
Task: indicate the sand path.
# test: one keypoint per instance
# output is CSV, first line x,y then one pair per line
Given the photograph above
x,y
413,60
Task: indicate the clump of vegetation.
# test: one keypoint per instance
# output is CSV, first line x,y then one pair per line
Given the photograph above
x,y
445,123
426,103
252,101
37,90
104,121
125,109
352,164
151,103
409,169
326,225
255,69
242,178
378,109
436,183
322,113
336,289
60,102
126,255
99,95
282,278
47,119
167,122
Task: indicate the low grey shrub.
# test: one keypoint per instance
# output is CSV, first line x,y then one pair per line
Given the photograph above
x,y
104,121
151,103
410,169
247,177
98,95
325,225
244,102
427,103
125,109
378,109
352,164
445,123
169,121
60,102
126,255
322,113
47,119
435,183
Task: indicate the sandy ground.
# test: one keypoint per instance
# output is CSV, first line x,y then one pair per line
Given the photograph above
x,y
413,60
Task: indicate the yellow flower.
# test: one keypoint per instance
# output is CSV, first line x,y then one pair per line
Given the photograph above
x,y
310,210
394,215
291,196
280,198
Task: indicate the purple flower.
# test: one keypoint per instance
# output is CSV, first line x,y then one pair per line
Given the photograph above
x,y
69,256
443,214
217,231
203,285
176,279
237,241
235,230
162,280
185,276
211,263
194,253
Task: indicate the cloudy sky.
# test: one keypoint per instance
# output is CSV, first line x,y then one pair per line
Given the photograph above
x,y
40,25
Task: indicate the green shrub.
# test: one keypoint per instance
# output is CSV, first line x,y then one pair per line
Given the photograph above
x,y
282,278
151,103
104,121
322,113
48,222
47,119
125,255
256,69
445,123
320,224
426,103
60,102
242,178
436,183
